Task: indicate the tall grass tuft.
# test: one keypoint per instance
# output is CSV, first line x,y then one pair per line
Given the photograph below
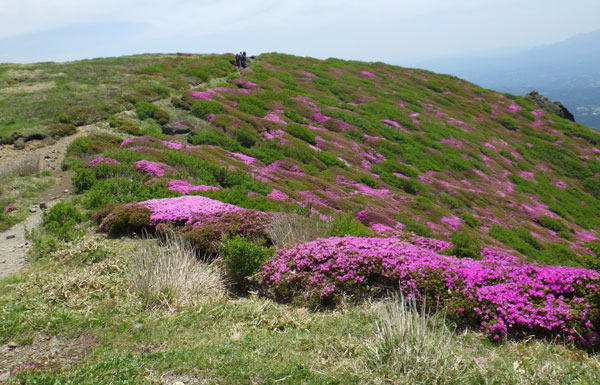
x,y
287,230
28,165
415,344
167,274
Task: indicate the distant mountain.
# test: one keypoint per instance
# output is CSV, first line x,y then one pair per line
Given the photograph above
x,y
568,71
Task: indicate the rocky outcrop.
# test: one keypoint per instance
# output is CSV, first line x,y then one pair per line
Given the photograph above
x,y
176,128
550,106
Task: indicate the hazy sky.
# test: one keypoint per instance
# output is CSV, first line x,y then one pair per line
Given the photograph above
x,y
387,30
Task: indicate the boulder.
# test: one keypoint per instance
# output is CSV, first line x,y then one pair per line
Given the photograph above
x,y
176,128
553,107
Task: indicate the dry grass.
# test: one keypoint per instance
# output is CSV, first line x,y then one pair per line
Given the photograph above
x,y
289,229
414,346
28,88
27,165
169,275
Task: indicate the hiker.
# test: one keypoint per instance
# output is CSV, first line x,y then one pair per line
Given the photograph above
x,y
237,60
243,59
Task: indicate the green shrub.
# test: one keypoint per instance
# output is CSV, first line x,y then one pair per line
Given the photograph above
x,y
211,137
508,123
202,108
243,257
470,220
125,125
464,246
301,132
61,220
126,219
414,226
450,201
81,115
329,159
347,224
594,247
367,180
245,137
253,106
161,116
145,110
559,254
519,238
58,130
551,223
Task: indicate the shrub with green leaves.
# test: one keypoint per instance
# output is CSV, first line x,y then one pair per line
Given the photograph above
x,y
347,224
243,257
61,221
301,132
202,108
464,246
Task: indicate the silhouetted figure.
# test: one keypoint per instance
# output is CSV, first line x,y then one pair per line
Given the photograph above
x,y
238,62
243,58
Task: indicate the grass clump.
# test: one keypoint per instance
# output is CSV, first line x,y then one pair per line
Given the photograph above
x,y
167,274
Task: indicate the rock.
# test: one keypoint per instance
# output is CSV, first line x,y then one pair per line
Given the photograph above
x,y
10,236
178,383
553,107
12,345
176,128
33,209
66,191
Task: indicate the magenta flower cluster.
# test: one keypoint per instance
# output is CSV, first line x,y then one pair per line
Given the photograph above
x,y
184,187
154,168
185,209
102,160
500,293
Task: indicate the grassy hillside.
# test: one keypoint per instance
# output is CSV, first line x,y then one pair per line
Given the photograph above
x,y
408,149
310,191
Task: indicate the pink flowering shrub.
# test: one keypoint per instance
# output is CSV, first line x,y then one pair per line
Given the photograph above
x,y
277,195
500,293
184,187
207,230
102,160
184,209
154,168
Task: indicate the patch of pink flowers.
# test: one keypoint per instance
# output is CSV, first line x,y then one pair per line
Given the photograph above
x,y
275,116
208,94
560,184
277,195
392,123
369,74
185,209
244,158
154,168
184,187
102,160
452,222
500,292
431,243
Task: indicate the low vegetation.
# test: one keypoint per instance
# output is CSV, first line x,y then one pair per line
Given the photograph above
x,y
323,222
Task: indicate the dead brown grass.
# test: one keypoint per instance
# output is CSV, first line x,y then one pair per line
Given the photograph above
x,y
290,229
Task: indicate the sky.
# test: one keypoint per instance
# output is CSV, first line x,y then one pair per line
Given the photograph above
x,y
393,31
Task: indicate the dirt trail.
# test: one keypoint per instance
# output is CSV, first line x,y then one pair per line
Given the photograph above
x,y
13,245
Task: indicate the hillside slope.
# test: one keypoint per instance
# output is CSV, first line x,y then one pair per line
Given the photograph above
x,y
303,188
402,149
